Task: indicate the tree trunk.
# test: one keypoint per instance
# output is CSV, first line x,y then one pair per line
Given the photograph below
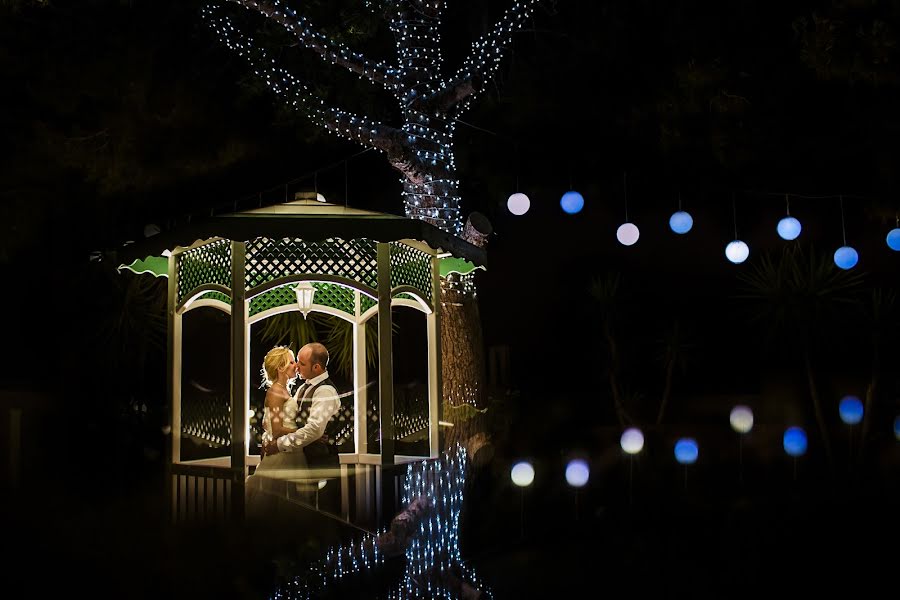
x,y
462,358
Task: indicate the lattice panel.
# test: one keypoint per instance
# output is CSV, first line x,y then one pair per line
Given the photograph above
x,y
279,296
335,296
411,266
207,418
365,303
207,264
269,259
327,294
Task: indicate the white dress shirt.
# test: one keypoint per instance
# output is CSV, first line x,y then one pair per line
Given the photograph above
x,y
324,404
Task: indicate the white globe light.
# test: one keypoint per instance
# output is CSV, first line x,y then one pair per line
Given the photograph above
x,y
681,222
632,440
789,228
846,257
522,474
893,239
741,419
518,204
737,252
577,473
627,234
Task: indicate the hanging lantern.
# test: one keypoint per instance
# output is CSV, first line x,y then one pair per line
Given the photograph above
x,y
305,293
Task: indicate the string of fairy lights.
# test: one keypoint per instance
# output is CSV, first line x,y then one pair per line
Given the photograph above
x,y
430,99
737,250
433,562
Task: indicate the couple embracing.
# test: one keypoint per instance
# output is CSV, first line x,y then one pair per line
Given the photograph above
x,y
299,429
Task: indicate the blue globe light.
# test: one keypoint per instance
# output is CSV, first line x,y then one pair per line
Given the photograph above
x,y
851,410
737,251
795,441
897,427
572,202
686,451
893,239
577,473
681,222
846,257
789,228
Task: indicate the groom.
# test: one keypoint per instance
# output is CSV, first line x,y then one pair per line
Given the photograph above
x,y
318,401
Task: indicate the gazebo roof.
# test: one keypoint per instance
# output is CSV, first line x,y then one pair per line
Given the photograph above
x,y
310,220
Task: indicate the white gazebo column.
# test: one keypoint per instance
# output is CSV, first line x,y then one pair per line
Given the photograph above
x,y
385,356
360,397
385,496
173,358
173,378
433,325
240,401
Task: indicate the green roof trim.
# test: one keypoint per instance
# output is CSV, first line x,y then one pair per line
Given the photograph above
x,y
456,265
158,266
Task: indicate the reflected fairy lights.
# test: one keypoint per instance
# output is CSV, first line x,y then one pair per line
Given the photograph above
x,y
433,495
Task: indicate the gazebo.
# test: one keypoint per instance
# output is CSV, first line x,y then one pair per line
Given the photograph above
x,y
308,256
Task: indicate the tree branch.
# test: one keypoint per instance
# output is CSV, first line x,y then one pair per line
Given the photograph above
x,y
327,49
484,57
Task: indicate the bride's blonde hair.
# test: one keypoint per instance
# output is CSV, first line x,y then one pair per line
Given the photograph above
x,y
276,359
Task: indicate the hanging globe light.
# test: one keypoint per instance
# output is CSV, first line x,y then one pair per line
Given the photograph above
x,y
577,473
893,239
741,418
572,202
632,440
897,427
851,410
846,257
795,441
788,228
627,234
518,204
681,222
686,451
522,474
737,251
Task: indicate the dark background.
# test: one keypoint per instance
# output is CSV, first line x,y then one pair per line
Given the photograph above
x,y
116,115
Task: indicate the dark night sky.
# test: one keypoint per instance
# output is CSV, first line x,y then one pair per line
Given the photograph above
x,y
119,114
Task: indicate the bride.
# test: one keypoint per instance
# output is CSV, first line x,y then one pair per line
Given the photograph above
x,y
268,482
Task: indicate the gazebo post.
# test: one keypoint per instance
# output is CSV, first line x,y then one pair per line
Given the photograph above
x,y
433,324
360,395
173,375
239,392
385,485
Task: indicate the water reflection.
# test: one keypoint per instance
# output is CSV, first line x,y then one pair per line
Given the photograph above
x,y
422,543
